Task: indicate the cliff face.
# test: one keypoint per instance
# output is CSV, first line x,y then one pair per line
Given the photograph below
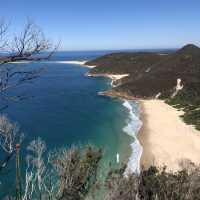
x,y
175,76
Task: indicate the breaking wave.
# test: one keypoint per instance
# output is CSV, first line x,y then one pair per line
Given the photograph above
x,y
132,128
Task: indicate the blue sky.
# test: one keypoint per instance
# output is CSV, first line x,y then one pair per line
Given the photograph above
x,y
110,24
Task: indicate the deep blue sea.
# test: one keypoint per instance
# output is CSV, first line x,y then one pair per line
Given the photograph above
x,y
63,108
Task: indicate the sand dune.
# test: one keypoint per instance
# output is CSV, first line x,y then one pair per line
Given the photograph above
x,y
165,138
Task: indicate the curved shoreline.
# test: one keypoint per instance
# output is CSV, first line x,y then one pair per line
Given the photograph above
x,y
132,129
165,138
161,135
134,160
133,165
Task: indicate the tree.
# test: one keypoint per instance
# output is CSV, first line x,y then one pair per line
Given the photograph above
x,y
36,171
66,174
121,187
77,171
29,45
10,135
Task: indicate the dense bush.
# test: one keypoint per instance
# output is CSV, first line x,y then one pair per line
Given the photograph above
x,y
72,175
156,184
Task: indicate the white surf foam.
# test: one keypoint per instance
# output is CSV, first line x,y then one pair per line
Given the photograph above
x,y
133,126
117,158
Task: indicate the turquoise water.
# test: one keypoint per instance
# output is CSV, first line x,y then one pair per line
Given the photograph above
x,y
65,109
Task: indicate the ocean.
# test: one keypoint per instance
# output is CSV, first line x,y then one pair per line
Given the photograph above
x,y
64,109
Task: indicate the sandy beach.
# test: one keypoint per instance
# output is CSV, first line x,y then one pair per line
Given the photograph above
x,y
113,77
165,138
74,62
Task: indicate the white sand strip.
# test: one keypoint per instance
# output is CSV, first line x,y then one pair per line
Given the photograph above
x,y
75,62
113,77
78,63
117,77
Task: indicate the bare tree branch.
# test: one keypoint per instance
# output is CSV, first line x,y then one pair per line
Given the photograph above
x,y
35,171
3,31
29,45
9,137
